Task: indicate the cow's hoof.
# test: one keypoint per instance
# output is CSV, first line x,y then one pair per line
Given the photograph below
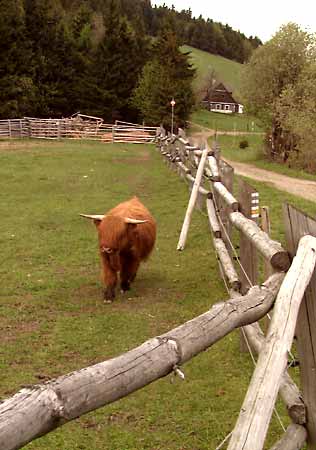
x,y
109,295
125,286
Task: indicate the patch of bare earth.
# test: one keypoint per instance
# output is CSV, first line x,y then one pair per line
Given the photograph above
x,y
295,186
141,158
301,188
11,333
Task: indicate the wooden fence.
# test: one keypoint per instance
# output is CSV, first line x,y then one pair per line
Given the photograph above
x,y
37,410
270,375
76,128
13,128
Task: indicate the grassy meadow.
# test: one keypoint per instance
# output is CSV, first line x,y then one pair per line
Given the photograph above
x,y
52,316
224,122
228,71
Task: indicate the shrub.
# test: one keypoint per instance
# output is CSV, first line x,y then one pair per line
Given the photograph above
x,y
244,144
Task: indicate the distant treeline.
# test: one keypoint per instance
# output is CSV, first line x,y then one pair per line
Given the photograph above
x,y
62,56
206,35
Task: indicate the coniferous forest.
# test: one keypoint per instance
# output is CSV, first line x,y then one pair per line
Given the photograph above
x,y
98,57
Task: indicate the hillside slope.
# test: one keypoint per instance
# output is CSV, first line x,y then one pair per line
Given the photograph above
x,y
228,71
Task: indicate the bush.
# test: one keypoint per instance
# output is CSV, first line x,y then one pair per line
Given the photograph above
x,y
243,144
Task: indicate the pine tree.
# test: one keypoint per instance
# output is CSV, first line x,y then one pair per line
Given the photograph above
x,y
167,76
17,91
114,68
54,58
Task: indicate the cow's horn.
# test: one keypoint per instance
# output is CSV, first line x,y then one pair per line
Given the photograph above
x,y
129,220
106,250
93,217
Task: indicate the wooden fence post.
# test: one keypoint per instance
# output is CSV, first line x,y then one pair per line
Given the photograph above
x,y
267,268
266,227
216,149
247,252
226,175
297,224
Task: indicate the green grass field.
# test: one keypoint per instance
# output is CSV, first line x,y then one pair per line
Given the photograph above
x,y
228,71
52,316
225,122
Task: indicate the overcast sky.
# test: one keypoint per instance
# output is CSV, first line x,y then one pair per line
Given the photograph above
x,y
261,18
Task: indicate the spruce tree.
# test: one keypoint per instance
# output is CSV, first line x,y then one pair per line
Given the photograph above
x,y
17,91
167,76
114,67
54,58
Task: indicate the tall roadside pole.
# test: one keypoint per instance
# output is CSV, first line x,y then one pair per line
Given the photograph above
x,y
172,103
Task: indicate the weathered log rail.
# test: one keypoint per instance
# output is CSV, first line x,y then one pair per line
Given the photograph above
x,y
256,411
270,249
35,411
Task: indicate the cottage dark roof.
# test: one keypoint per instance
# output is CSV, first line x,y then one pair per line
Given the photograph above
x,y
220,94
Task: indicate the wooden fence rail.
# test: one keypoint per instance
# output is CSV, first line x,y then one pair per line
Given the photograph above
x,y
252,424
73,128
35,411
14,128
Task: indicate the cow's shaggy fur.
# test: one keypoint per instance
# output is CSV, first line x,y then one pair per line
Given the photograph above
x,y
124,245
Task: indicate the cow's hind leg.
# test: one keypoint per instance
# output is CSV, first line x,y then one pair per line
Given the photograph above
x,y
128,272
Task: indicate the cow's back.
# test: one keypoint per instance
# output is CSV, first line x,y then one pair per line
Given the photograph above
x,y
134,209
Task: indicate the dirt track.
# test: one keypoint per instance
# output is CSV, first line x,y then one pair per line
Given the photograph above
x,y
295,186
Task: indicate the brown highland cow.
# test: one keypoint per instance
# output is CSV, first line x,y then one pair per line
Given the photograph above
x,y
127,235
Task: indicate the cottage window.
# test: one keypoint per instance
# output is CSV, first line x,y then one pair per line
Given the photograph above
x,y
218,106
227,107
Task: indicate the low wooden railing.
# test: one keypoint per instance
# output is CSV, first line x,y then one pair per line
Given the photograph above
x,y
72,128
